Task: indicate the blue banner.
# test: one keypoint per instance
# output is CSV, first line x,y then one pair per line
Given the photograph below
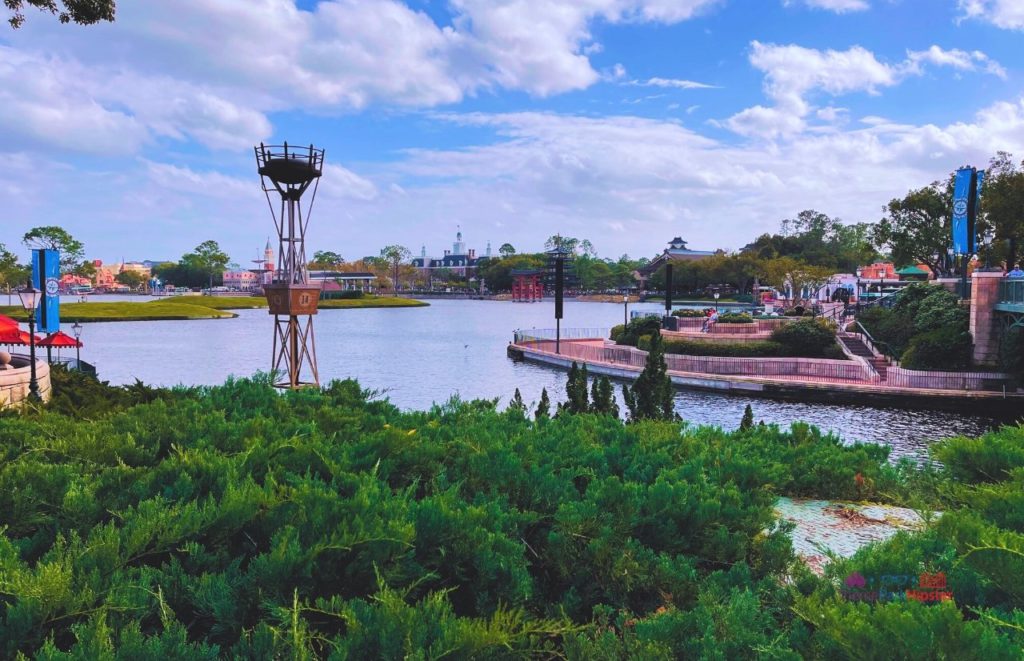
x,y
46,278
964,192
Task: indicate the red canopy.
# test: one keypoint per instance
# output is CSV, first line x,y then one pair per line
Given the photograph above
x,y
14,335
7,321
60,339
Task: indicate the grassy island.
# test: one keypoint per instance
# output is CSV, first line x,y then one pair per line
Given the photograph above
x,y
195,307
158,310
240,522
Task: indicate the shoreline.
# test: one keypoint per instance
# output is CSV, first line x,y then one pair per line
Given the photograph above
x,y
194,308
995,404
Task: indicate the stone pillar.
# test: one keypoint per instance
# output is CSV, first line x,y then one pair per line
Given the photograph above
x,y
984,332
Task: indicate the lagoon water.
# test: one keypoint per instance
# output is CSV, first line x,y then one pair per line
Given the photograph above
x,y
420,356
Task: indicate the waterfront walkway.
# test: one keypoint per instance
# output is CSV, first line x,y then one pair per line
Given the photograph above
x,y
854,381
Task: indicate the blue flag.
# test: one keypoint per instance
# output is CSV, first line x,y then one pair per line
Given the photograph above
x,y
964,196
46,278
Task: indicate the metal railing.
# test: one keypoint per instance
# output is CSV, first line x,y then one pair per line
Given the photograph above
x,y
549,334
877,347
1011,291
804,369
904,378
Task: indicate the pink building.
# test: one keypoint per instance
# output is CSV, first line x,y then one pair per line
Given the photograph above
x,y
104,277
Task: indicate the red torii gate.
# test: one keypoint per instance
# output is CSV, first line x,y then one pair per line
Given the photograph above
x,y
527,286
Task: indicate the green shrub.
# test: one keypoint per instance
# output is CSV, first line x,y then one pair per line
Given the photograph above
x,y
761,349
946,348
989,458
735,318
688,313
240,522
631,333
346,294
806,337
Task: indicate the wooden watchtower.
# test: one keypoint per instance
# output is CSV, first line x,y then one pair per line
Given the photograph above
x,y
290,172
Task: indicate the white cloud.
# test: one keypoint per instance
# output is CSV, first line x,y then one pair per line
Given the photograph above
x,y
838,6
955,58
627,183
1007,14
675,83
213,70
792,73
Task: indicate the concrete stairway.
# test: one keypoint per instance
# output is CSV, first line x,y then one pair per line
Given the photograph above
x,y
858,348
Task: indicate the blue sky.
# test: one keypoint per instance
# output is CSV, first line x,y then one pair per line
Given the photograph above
x,y
626,122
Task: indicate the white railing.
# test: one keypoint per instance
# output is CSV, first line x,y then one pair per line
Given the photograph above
x,y
904,378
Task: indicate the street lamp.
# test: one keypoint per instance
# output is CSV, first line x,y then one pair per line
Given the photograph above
x,y
625,309
717,294
30,301
76,328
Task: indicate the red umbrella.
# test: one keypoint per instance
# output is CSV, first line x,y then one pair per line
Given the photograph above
x,y
59,340
9,335
7,321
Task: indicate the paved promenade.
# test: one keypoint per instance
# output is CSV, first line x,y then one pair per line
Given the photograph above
x,y
812,380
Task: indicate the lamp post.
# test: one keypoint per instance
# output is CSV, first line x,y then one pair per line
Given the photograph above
x,y
625,309
76,328
717,294
30,300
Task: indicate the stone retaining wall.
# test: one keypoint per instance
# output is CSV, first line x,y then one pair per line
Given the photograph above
x,y
14,382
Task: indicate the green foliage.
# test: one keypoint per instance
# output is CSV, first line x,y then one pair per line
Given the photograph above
x,y
747,422
544,407
517,403
345,294
947,348
651,396
602,398
989,458
77,11
928,319
79,395
630,334
807,337
577,399
687,313
52,237
735,318
239,522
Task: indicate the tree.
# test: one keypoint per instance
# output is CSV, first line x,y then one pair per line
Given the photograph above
x,y
566,243
208,259
11,272
517,403
326,259
602,399
52,237
576,390
1002,202
544,407
917,228
506,250
748,419
83,12
394,255
133,279
650,398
